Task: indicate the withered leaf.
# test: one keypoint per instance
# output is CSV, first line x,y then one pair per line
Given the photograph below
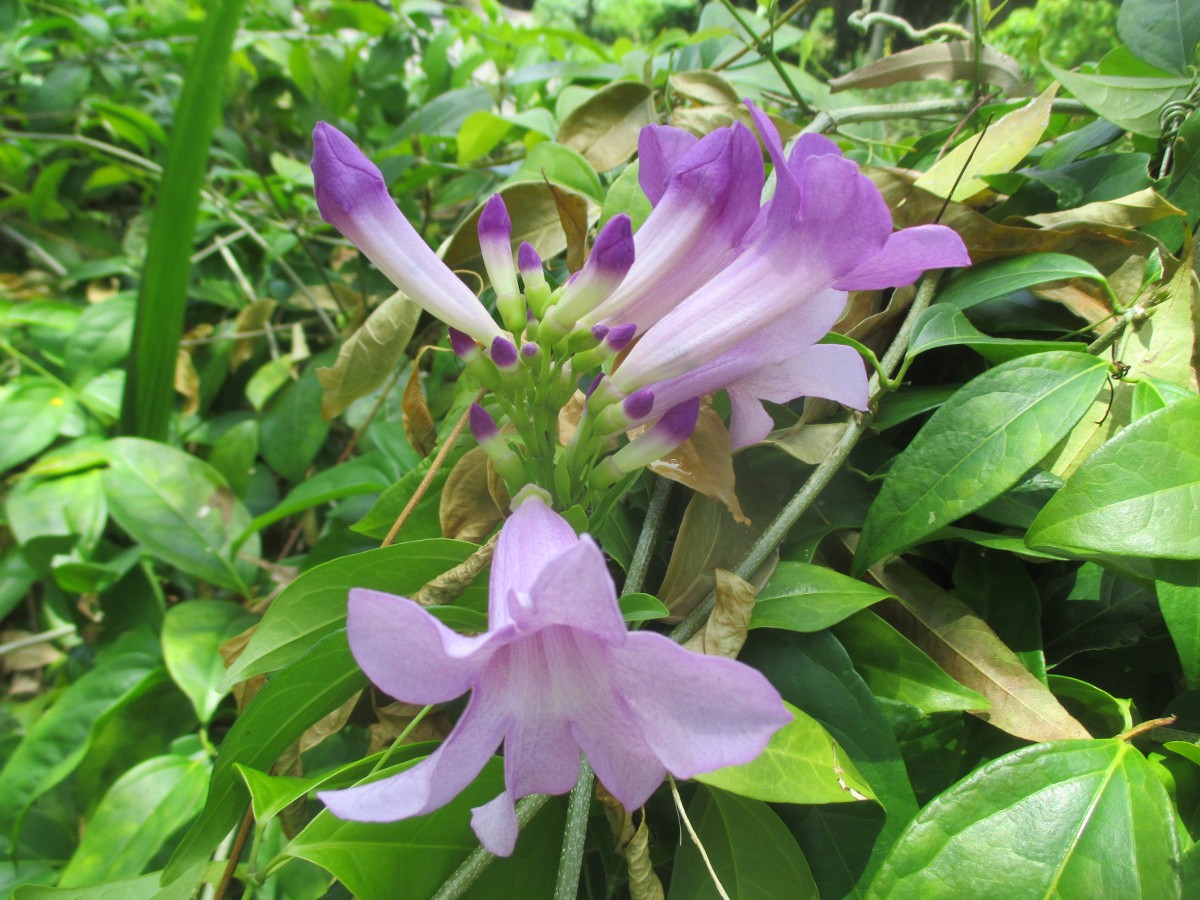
x,y
419,426
704,462
605,127
253,317
725,631
468,511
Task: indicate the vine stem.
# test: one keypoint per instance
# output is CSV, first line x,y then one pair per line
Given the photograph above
x,y
821,476
831,119
571,861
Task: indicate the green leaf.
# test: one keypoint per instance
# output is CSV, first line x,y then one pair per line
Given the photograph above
x,y
139,814
314,605
625,196
178,507
1162,32
977,445
480,133
802,764
561,165
16,577
605,127
804,597
1135,496
375,860
305,691
1066,819
642,608
1102,713
292,432
31,415
100,339
979,284
942,325
271,794
1178,590
897,669
58,740
1132,102
54,515
370,355
752,852
144,887
162,295
996,149
192,635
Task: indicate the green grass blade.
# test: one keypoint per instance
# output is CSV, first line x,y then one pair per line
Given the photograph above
x,y
162,298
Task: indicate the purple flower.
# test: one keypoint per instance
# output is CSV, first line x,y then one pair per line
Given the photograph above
x,y
556,674
750,326
354,199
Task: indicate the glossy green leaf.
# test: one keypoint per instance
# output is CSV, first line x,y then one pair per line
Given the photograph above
x,y
1178,591
100,339
1135,496
943,325
178,507
271,794
1162,32
979,284
293,431
31,415
1103,714
1130,101
314,605
802,764
896,669
481,131
58,740
1068,819
625,196
562,165
977,445
144,887
192,635
642,607
305,691
804,597
605,127
750,849
139,814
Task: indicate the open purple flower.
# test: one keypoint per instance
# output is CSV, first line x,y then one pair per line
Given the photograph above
x,y
556,674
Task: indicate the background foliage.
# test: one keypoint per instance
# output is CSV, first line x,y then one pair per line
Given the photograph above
x,y
983,621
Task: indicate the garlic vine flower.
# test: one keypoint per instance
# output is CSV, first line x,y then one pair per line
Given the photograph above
x,y
556,674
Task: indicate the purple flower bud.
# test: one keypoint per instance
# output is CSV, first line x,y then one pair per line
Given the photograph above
x,y
638,405
483,426
463,345
495,235
619,336
654,443
504,353
344,179
599,332
678,423
530,350
610,259
528,260
613,251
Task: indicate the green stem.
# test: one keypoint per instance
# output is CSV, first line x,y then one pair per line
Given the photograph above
x,y
475,865
570,863
832,119
822,474
767,51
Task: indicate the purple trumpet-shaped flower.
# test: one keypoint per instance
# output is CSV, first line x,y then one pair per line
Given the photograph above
x,y
556,673
826,228
621,416
354,199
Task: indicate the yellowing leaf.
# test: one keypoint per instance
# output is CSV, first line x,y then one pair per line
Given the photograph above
x,y
725,631
998,149
467,511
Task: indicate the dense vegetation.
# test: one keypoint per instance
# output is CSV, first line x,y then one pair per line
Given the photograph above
x,y
980,597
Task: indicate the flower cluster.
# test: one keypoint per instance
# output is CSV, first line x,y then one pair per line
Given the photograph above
x,y
556,673
718,290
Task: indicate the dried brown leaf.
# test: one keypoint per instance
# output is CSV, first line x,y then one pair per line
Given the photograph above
x,y
605,127
252,317
187,381
704,462
632,842
418,420
452,583
573,216
704,87
725,631
1131,211
327,725
467,511
949,61
395,717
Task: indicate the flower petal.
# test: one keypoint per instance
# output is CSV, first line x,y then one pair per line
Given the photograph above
x,y
749,423
843,218
699,713
408,653
575,589
905,256
832,371
435,780
495,824
660,148
354,199
531,538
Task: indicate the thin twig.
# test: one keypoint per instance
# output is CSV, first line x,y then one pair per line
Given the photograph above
x,y
434,468
687,823
32,640
768,53
775,26
235,852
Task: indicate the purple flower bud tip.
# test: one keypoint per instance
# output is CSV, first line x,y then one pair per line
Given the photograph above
x,y
638,404
574,277
343,177
483,426
529,350
680,420
613,251
462,344
527,258
619,336
529,316
504,353
595,383
599,332
494,223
